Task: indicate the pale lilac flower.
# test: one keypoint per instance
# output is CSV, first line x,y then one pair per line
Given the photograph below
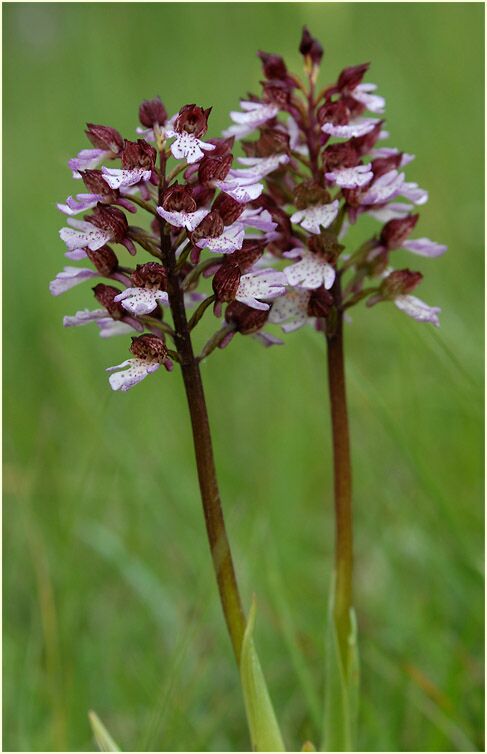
x,y
69,278
266,284
188,220
392,184
141,301
295,138
255,114
267,339
88,159
258,218
291,310
417,309
356,128
82,233
311,271
241,190
108,326
424,247
351,177
394,211
81,203
380,152
188,146
259,167
319,214
124,178
230,240
138,370
373,102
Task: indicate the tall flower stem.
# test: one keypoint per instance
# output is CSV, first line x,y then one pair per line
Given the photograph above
x,y
342,480
210,496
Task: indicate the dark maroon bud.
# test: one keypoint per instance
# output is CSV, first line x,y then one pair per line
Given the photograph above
x,y
399,283
138,154
104,137
211,226
104,259
226,281
228,208
149,348
203,194
310,47
105,294
341,155
245,319
214,168
334,112
193,120
245,258
326,245
152,111
110,219
222,146
273,66
396,231
320,302
150,275
350,77
277,92
383,165
271,141
96,184
363,144
308,193
178,199
354,107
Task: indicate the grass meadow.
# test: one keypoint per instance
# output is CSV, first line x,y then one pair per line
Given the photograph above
x,y
109,598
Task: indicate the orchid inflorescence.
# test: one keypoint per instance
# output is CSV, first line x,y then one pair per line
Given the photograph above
x,y
269,232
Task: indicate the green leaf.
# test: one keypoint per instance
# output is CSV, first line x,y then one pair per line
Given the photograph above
x,y
264,729
341,688
103,739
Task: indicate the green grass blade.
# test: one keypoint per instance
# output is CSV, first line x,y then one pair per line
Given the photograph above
x,y
103,739
264,729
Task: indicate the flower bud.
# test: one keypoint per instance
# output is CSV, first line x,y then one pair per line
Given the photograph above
x,y
383,165
104,137
96,184
278,92
105,294
226,281
152,112
150,275
308,193
214,168
178,199
228,208
138,154
352,76
110,219
245,319
310,47
273,66
326,245
104,259
211,226
399,283
396,231
149,348
334,112
340,155
193,120
320,302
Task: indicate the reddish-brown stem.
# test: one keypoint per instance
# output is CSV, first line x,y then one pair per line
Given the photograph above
x,y
342,480
210,496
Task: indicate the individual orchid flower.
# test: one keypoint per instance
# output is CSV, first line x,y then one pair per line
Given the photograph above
x,y
188,220
397,286
228,241
354,129
69,278
254,114
259,167
150,353
311,218
353,177
191,123
312,271
107,142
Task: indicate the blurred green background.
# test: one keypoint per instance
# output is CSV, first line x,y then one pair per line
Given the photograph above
x,y
110,602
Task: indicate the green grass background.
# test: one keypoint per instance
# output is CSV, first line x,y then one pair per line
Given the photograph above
x,y
110,601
